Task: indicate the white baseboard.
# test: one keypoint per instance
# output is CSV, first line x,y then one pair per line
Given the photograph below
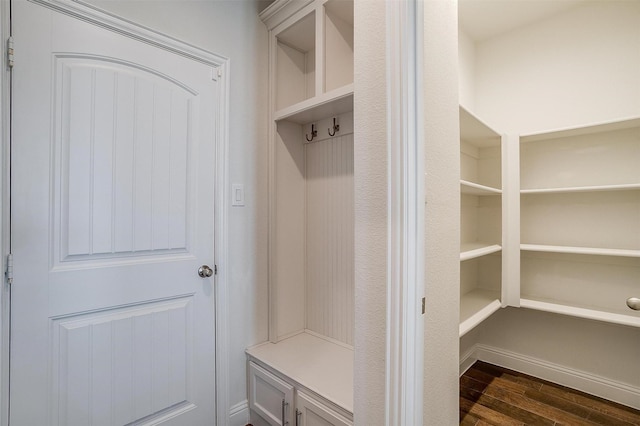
x,y
467,359
239,414
603,387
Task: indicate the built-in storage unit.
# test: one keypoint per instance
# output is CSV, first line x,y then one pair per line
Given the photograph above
x,y
560,80
580,221
303,380
481,238
311,218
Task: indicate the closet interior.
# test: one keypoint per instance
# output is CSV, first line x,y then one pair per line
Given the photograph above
x,y
549,219
550,189
304,374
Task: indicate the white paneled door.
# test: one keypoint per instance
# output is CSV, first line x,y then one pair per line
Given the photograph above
x,y
113,145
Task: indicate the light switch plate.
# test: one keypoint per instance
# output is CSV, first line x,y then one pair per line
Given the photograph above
x,y
237,194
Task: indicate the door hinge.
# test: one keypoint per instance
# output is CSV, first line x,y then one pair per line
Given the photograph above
x,y
423,303
10,52
9,269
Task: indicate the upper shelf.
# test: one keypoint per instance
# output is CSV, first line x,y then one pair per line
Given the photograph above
x,y
475,307
586,130
596,188
311,45
472,250
467,187
336,102
618,317
575,160
580,250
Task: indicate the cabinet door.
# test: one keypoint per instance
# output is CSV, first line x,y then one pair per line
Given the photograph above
x,y
311,412
269,396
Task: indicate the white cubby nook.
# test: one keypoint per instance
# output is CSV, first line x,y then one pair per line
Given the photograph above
x,y
311,197
312,68
295,61
338,44
580,221
481,224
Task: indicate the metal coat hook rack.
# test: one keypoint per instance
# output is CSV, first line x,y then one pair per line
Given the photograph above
x,y
336,128
314,133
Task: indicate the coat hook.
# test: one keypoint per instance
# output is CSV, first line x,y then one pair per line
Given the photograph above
x,y
314,133
336,128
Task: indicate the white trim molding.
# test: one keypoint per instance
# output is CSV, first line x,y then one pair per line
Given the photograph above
x,y
584,381
5,223
405,330
221,64
90,13
239,414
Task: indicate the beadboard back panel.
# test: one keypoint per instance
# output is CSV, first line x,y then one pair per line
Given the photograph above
x,y
330,237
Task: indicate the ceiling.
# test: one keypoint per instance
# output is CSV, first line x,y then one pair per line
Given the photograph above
x,y
483,19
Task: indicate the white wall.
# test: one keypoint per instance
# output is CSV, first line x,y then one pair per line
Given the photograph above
x,y
567,341
371,212
467,68
232,29
442,213
579,67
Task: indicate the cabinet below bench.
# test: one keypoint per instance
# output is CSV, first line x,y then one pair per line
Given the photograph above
x,y
303,381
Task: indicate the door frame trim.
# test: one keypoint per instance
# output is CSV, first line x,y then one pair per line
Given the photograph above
x,y
5,235
104,19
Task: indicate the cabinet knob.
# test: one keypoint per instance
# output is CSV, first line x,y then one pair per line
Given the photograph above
x,y
634,303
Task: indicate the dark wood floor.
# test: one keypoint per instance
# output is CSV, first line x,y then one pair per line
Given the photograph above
x,y
491,395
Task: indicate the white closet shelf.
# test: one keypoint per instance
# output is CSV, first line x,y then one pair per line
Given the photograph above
x,y
472,250
597,188
335,102
475,307
617,317
320,365
580,250
476,131
626,123
467,187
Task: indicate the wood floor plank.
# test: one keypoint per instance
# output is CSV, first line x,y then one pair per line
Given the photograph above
x,y
511,375
506,407
549,413
488,415
471,383
467,419
605,419
598,405
488,379
494,395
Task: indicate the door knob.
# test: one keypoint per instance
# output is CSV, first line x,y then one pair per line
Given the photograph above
x,y
205,271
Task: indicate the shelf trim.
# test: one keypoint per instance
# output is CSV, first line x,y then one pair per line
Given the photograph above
x,y
479,251
576,311
594,188
297,112
479,316
594,251
478,189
